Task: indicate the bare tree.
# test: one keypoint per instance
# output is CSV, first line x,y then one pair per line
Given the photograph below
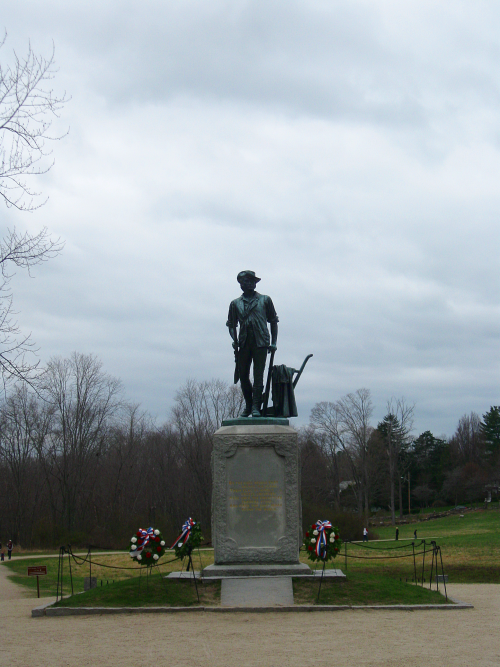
x,y
27,108
85,399
467,443
199,410
202,406
315,472
324,420
125,446
21,251
345,427
355,411
423,494
25,422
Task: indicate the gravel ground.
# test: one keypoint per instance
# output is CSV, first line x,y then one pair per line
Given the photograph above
x,y
372,638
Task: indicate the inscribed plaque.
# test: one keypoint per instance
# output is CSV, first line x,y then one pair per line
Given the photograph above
x,y
256,497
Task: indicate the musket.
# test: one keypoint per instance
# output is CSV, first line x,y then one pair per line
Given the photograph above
x,y
299,373
236,368
268,384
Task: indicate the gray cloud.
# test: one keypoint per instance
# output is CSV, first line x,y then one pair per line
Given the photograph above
x,y
349,153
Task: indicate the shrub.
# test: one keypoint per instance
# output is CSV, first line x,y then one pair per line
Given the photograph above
x,y
350,525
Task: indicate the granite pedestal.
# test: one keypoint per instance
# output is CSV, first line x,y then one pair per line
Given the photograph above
x,y
256,509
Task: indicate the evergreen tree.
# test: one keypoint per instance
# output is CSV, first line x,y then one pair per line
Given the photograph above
x,y
430,460
396,441
490,428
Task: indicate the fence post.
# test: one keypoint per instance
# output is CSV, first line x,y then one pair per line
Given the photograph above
x,y
442,572
432,565
423,565
70,570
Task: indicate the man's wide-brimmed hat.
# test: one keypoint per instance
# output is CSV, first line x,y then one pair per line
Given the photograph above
x,y
242,274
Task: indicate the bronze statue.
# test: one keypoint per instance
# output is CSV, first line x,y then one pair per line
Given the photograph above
x,y
252,312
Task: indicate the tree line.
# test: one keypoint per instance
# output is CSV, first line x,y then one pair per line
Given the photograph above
x,y
386,466
80,464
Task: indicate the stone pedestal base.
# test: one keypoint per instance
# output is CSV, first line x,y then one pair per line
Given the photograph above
x,y
242,571
256,510
252,570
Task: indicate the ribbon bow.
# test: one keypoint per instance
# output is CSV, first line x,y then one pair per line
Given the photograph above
x,y
321,527
185,533
143,537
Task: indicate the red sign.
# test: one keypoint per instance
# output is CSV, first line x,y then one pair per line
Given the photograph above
x,y
37,571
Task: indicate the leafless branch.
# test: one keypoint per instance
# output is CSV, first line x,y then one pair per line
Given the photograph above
x,y
22,250
27,107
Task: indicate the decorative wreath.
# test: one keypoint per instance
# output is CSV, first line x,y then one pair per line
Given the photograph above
x,y
147,546
322,541
189,539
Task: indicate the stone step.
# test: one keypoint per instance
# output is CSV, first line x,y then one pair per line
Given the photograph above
x,y
256,570
257,592
244,572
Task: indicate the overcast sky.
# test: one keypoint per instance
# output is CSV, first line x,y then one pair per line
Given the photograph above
x,y
348,152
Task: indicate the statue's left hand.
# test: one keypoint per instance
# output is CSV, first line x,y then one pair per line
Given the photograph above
x,y
272,348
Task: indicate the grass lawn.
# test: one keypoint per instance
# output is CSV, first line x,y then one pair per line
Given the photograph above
x,y
107,569
360,589
470,547
118,587
140,592
480,529
364,588
470,550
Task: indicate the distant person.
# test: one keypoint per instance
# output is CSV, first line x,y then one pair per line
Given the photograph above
x,y
365,534
397,534
415,534
10,546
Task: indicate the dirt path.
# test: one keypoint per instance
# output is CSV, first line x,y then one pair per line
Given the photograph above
x,y
76,553
366,638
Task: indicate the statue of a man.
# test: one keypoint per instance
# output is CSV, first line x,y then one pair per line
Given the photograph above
x,y
252,312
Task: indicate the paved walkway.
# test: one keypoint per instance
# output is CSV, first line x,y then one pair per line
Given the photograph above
x,y
77,553
257,592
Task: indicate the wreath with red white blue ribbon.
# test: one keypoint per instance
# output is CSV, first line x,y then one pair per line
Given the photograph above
x,y
189,539
322,541
147,546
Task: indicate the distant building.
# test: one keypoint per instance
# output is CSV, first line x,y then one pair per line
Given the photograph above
x,y
492,489
343,486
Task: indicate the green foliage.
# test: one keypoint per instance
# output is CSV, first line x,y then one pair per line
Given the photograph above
x,y
329,550
184,547
395,439
389,427
490,428
147,549
429,460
